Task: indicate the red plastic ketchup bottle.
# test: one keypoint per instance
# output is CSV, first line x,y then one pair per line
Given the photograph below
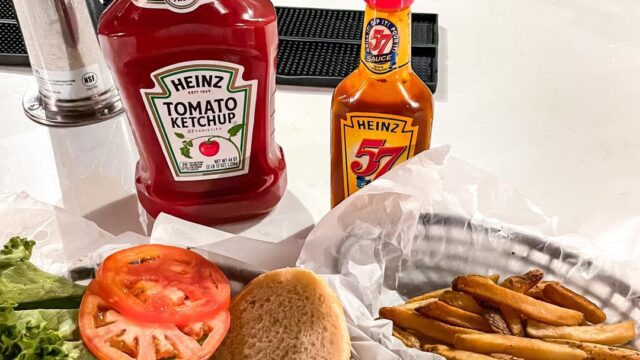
x,y
197,78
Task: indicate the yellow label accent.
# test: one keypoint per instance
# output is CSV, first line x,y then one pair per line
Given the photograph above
x,y
386,40
372,144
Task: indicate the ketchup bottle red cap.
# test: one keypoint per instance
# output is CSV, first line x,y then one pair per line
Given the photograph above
x,y
390,4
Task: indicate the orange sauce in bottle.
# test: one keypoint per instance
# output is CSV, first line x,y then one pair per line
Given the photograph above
x,y
382,113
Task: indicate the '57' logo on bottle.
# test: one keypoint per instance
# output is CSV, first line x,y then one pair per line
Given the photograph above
x,y
379,159
380,40
372,144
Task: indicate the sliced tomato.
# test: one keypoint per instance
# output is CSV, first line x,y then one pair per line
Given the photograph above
x,y
163,284
110,335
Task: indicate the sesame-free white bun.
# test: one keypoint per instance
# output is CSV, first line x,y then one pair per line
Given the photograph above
x,y
287,314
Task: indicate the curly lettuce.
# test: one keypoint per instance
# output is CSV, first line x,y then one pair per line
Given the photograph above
x,y
49,329
22,283
40,335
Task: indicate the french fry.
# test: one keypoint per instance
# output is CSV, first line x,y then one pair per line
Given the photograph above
x,y
429,295
416,304
564,297
452,354
487,290
428,327
407,338
513,321
525,282
601,352
537,292
496,321
504,357
529,349
424,340
614,334
461,301
452,315
520,284
455,322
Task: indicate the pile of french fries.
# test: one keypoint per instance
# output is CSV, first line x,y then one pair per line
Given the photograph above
x,y
522,317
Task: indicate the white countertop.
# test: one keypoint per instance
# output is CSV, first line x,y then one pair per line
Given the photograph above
x,y
541,93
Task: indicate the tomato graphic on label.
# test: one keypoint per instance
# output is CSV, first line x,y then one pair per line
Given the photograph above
x,y
209,148
375,152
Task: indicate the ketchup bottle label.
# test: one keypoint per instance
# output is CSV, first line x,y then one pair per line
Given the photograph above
x,y
181,6
372,145
202,112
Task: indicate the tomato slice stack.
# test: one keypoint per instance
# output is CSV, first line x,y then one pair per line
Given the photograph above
x,y
155,302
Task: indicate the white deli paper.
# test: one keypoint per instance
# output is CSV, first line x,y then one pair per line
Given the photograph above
x,y
436,217
71,246
66,242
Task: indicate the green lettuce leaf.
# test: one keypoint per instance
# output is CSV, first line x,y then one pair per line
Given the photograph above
x,y
40,335
45,333
16,249
24,284
77,351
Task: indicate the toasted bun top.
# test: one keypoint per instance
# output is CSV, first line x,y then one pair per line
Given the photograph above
x,y
286,314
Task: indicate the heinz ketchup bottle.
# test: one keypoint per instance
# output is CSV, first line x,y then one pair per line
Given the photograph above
x,y
197,78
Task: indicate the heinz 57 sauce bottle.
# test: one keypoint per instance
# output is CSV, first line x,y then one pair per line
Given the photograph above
x,y
381,113
197,78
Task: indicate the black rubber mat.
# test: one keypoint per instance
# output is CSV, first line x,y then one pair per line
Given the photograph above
x,y
6,10
320,47
12,48
325,63
344,25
